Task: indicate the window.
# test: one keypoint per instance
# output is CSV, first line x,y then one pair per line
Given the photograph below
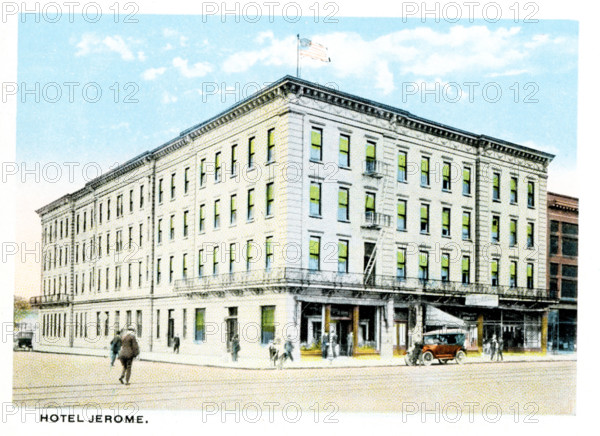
x,y
401,264
513,274
233,209
513,233
199,325
530,276
270,145
215,269
494,267
568,289
185,223
342,256
119,205
270,199
344,156
201,218
251,152
425,171
200,263
446,221
217,214
530,194
424,219
553,244
249,254
530,240
234,160
315,199
130,237
495,228
423,266
314,259
184,266
108,209
370,155
401,221
370,206
158,271
496,187
568,228
118,241
217,167
138,321
554,269
269,253
445,267
170,269
172,186
160,192
446,182
466,181
316,144
514,197
569,247
141,196
203,173
250,204
172,227
231,257
157,323
186,180
569,270
343,204
466,270
402,166
130,202
267,324
99,219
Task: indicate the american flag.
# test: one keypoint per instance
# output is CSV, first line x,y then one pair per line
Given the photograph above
x,y
313,50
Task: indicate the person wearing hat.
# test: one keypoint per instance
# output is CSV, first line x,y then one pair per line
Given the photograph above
x,y
129,351
115,347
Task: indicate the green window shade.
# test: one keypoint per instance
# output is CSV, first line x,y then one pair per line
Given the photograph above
x,y
271,138
496,180
342,249
446,217
494,266
401,208
529,270
315,192
314,248
251,146
529,229
370,150
401,257
425,165
466,175
445,261
422,259
249,250
218,160
315,137
269,192
465,264
344,144
513,226
234,153
269,247
446,170
199,319
424,212
402,160
343,197
494,225
530,188
201,212
268,316
370,202
513,184
233,206
513,268
251,198
217,204
466,219
215,254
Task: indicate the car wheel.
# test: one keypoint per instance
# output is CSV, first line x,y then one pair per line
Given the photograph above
x,y
443,361
427,358
460,357
407,360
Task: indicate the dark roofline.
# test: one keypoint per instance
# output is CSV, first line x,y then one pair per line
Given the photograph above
x,y
563,196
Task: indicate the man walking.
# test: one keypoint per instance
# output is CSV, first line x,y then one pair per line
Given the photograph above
x,y
176,343
235,348
115,346
350,340
129,350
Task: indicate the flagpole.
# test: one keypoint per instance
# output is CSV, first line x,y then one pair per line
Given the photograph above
x,y
298,55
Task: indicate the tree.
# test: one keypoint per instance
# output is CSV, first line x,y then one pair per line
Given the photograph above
x,y
22,308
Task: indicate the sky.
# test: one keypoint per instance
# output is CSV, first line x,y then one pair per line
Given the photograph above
x,y
94,95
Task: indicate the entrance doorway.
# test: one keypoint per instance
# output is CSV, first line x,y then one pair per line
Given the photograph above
x,y
231,324
170,328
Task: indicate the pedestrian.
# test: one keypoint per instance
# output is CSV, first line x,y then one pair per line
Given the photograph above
x,y
288,347
493,347
235,347
500,356
176,344
350,339
272,352
115,346
324,345
129,350
334,344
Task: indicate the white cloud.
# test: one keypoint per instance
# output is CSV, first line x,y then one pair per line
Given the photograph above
x,y
91,43
153,73
199,69
262,36
168,47
168,98
141,56
118,45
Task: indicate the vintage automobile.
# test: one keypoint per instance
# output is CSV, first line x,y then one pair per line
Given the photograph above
x,y
24,339
443,345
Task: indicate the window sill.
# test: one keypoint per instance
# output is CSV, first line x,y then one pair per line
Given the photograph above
x,y
251,168
446,237
467,195
401,230
320,161
269,162
496,200
343,221
347,168
530,207
251,220
268,217
425,233
403,181
425,186
448,191
514,203
315,216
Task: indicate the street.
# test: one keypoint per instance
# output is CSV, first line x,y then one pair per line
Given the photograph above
x,y
538,388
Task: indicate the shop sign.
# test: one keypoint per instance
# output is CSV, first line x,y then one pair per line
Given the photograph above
x,y
486,300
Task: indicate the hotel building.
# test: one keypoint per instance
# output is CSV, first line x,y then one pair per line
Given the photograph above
x,y
302,210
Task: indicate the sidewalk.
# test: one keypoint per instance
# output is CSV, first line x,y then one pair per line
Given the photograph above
x,y
339,362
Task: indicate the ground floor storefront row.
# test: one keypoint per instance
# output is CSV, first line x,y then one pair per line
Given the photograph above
x,y
355,325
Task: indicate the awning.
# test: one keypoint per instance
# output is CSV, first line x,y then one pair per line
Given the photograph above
x,y
439,318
